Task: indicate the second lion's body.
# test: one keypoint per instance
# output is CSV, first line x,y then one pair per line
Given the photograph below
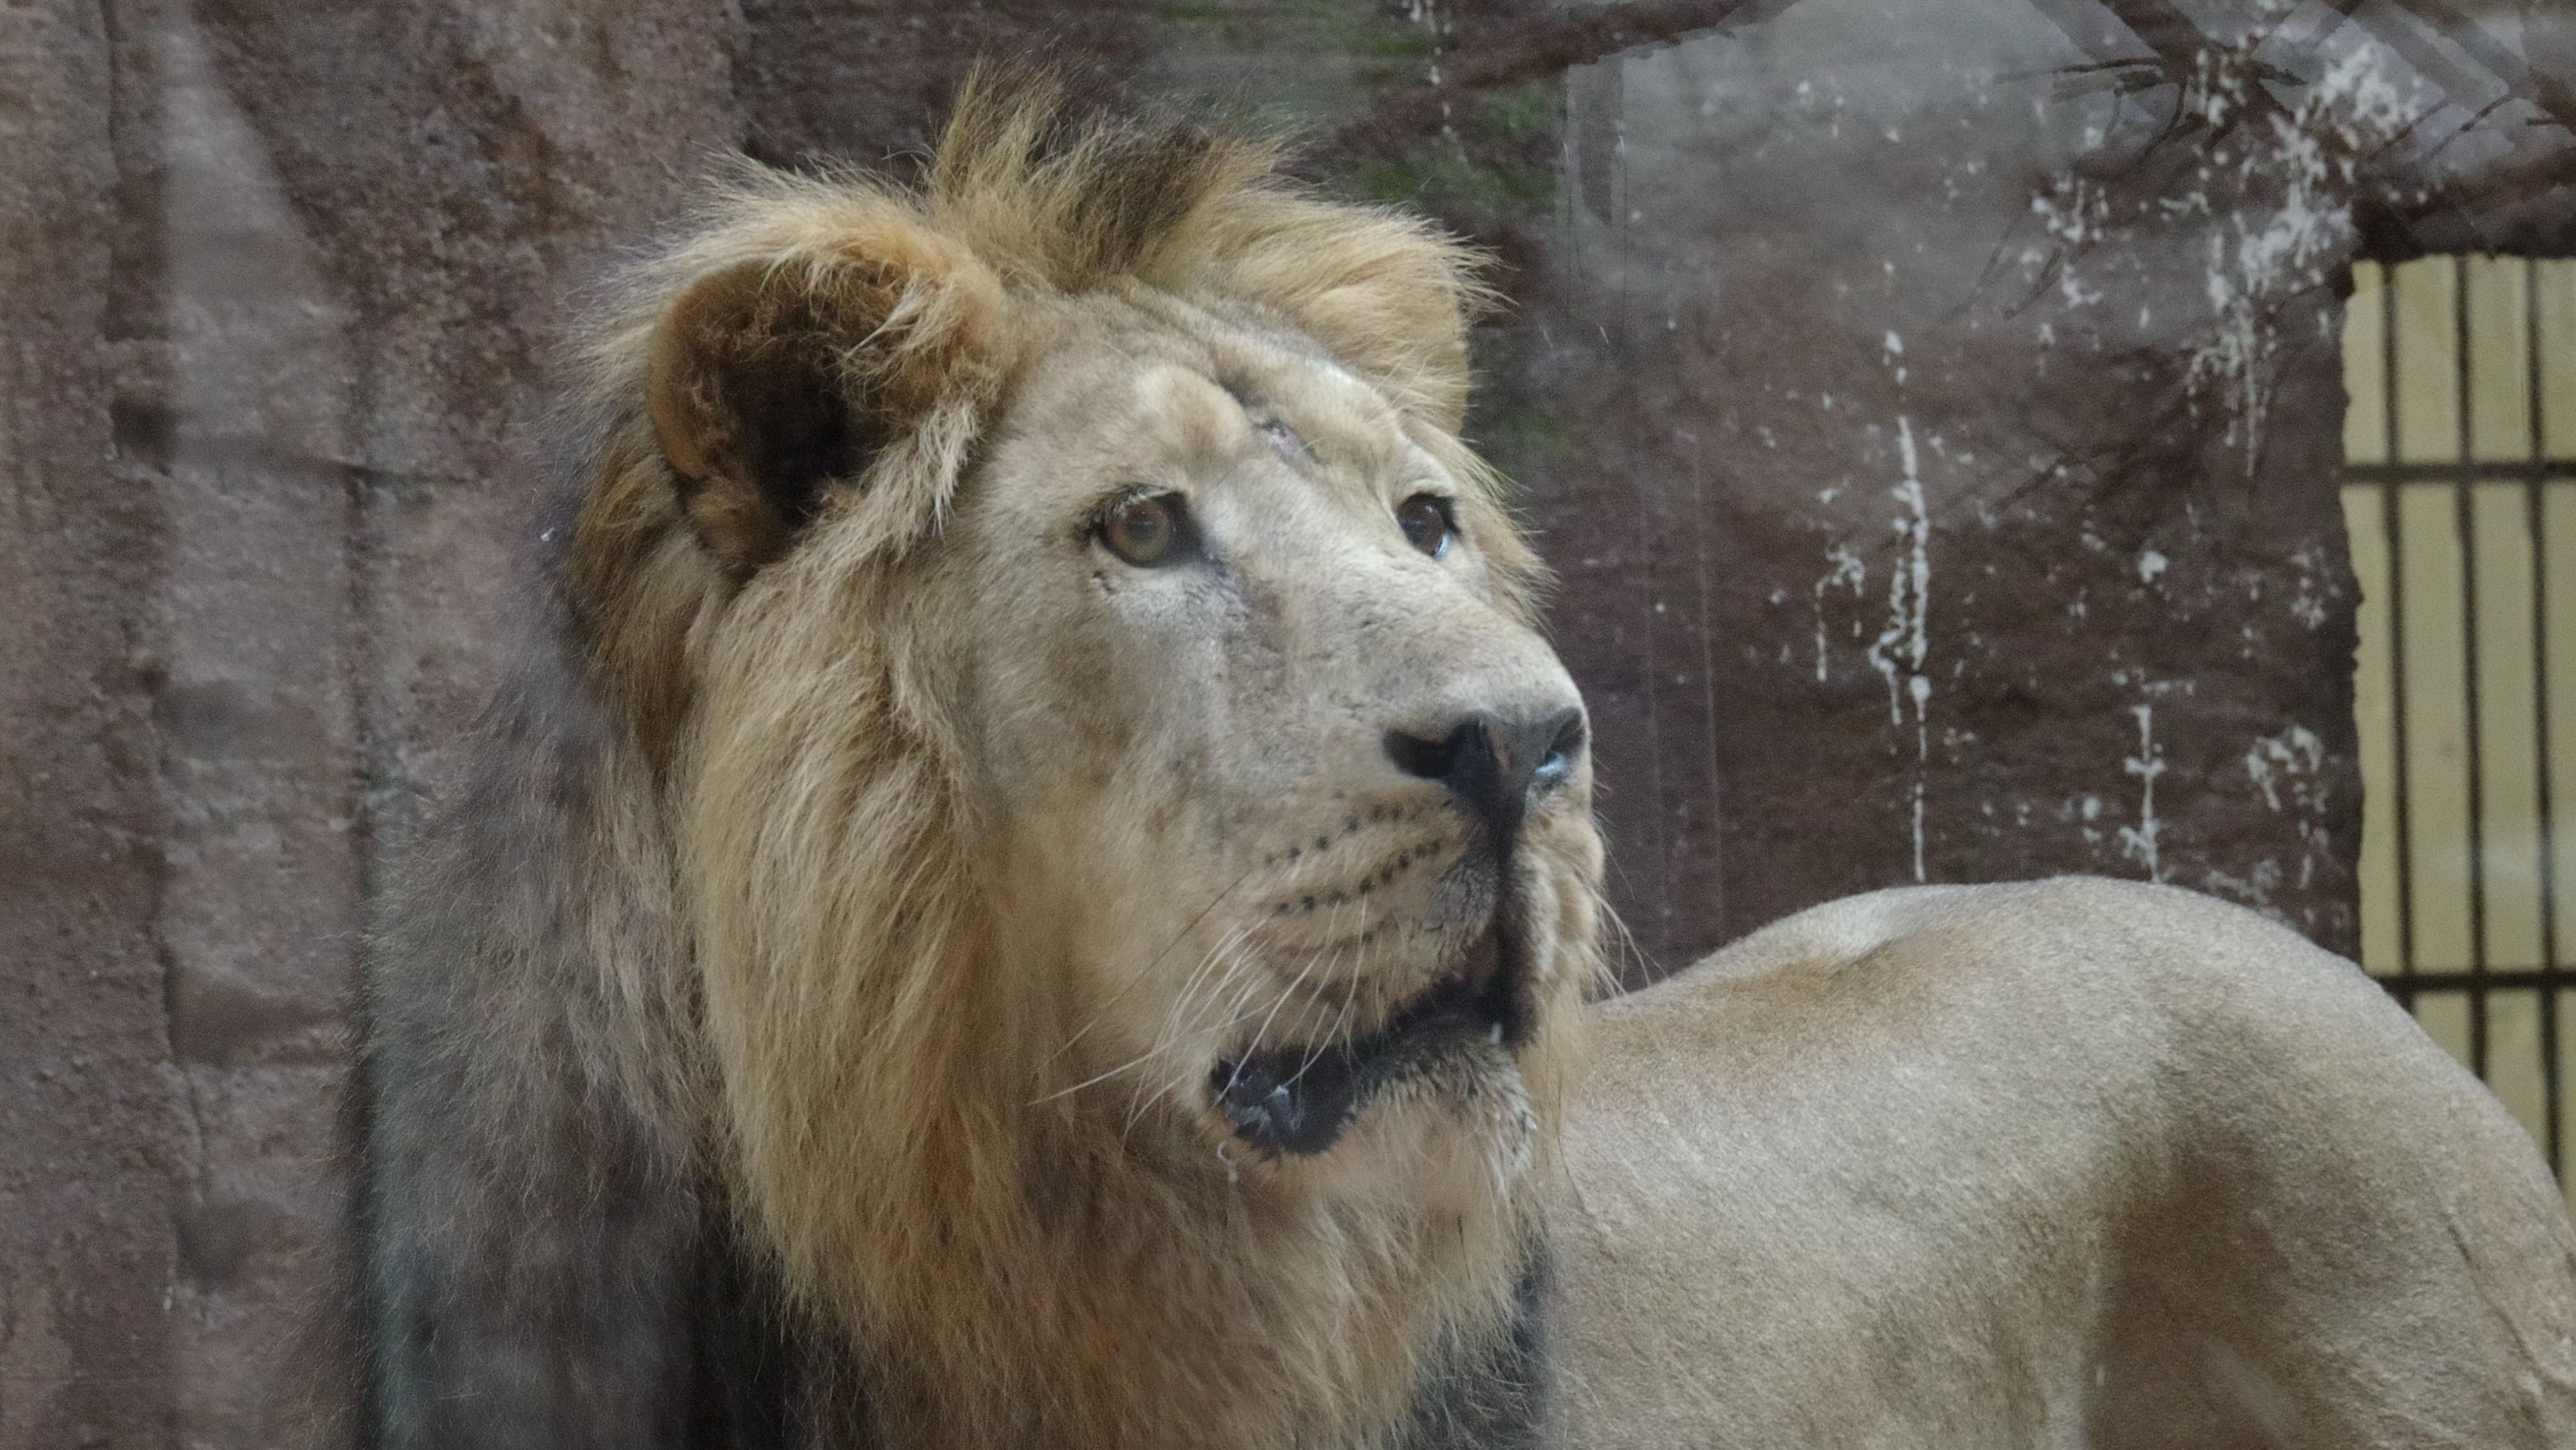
x,y
2062,1163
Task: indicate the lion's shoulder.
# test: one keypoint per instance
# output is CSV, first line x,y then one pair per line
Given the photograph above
x,y
2051,934
2103,982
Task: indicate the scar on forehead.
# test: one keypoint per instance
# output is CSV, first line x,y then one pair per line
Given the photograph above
x,y
1274,430
1354,422
1289,443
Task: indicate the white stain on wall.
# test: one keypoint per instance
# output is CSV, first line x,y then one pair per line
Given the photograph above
x,y
1843,569
2288,769
2266,254
2143,842
1901,649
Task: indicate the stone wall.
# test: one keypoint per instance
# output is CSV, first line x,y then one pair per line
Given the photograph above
x,y
1931,410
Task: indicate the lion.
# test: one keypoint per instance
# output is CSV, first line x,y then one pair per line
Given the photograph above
x,y
1036,887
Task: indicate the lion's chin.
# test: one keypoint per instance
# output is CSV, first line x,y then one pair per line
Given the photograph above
x,y
1296,1101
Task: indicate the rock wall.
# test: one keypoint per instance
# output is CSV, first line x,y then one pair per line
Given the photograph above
x,y
1930,408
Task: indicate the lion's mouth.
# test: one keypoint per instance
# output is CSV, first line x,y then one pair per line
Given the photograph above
x,y
1297,1100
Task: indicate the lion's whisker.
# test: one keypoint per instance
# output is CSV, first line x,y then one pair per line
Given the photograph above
x,y
1156,960
1285,993
1161,1039
1341,1019
1236,1010
1172,1028
1223,1000
1234,969
1146,1105
1130,1064
1605,972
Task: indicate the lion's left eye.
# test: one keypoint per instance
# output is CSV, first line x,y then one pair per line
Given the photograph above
x,y
1146,529
1428,523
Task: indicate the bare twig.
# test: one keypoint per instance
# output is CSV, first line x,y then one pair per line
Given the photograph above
x,y
1543,48
1540,49
2551,96
2502,186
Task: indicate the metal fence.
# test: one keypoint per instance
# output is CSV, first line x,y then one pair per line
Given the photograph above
x,y
2461,500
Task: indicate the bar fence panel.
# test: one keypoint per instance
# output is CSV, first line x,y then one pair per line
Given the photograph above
x,y
2460,497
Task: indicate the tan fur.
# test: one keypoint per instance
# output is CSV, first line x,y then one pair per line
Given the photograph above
x,y
926,852
2067,1163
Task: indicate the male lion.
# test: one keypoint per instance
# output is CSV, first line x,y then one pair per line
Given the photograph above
x,y
1036,891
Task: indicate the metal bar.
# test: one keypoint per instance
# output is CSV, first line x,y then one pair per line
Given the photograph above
x,y
2544,980
2391,525
2552,1130
2464,523
2560,471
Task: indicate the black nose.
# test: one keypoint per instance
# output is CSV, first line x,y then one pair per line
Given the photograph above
x,y
1493,763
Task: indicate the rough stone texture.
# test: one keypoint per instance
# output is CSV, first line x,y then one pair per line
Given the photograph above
x,y
278,304
91,1132
1833,318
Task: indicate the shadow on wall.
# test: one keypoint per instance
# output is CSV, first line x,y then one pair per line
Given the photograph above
x,y
1932,410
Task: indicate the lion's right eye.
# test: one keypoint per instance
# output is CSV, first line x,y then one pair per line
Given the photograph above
x,y
1146,529
1427,522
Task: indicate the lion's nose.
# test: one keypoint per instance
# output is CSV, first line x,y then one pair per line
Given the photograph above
x,y
1494,763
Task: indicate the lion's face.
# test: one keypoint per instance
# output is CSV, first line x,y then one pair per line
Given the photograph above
x,y
1292,802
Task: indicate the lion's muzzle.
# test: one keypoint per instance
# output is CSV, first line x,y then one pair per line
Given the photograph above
x,y
1497,766
1297,1100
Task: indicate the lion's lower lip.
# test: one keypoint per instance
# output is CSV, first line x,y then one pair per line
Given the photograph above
x,y
1297,1100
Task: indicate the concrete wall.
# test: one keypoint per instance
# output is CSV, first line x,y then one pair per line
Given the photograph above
x,y
1936,460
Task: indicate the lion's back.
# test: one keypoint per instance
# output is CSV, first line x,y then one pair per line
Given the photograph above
x,y
2099,1159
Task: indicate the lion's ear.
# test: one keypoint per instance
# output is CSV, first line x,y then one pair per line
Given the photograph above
x,y
773,381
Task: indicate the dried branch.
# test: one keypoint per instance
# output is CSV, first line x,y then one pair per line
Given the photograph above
x,y
2501,187
2546,93
2168,32
1538,50
1544,48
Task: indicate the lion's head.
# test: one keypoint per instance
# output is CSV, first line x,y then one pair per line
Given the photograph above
x,y
1134,844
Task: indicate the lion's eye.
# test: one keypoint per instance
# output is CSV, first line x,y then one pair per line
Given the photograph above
x,y
1428,524
1145,530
